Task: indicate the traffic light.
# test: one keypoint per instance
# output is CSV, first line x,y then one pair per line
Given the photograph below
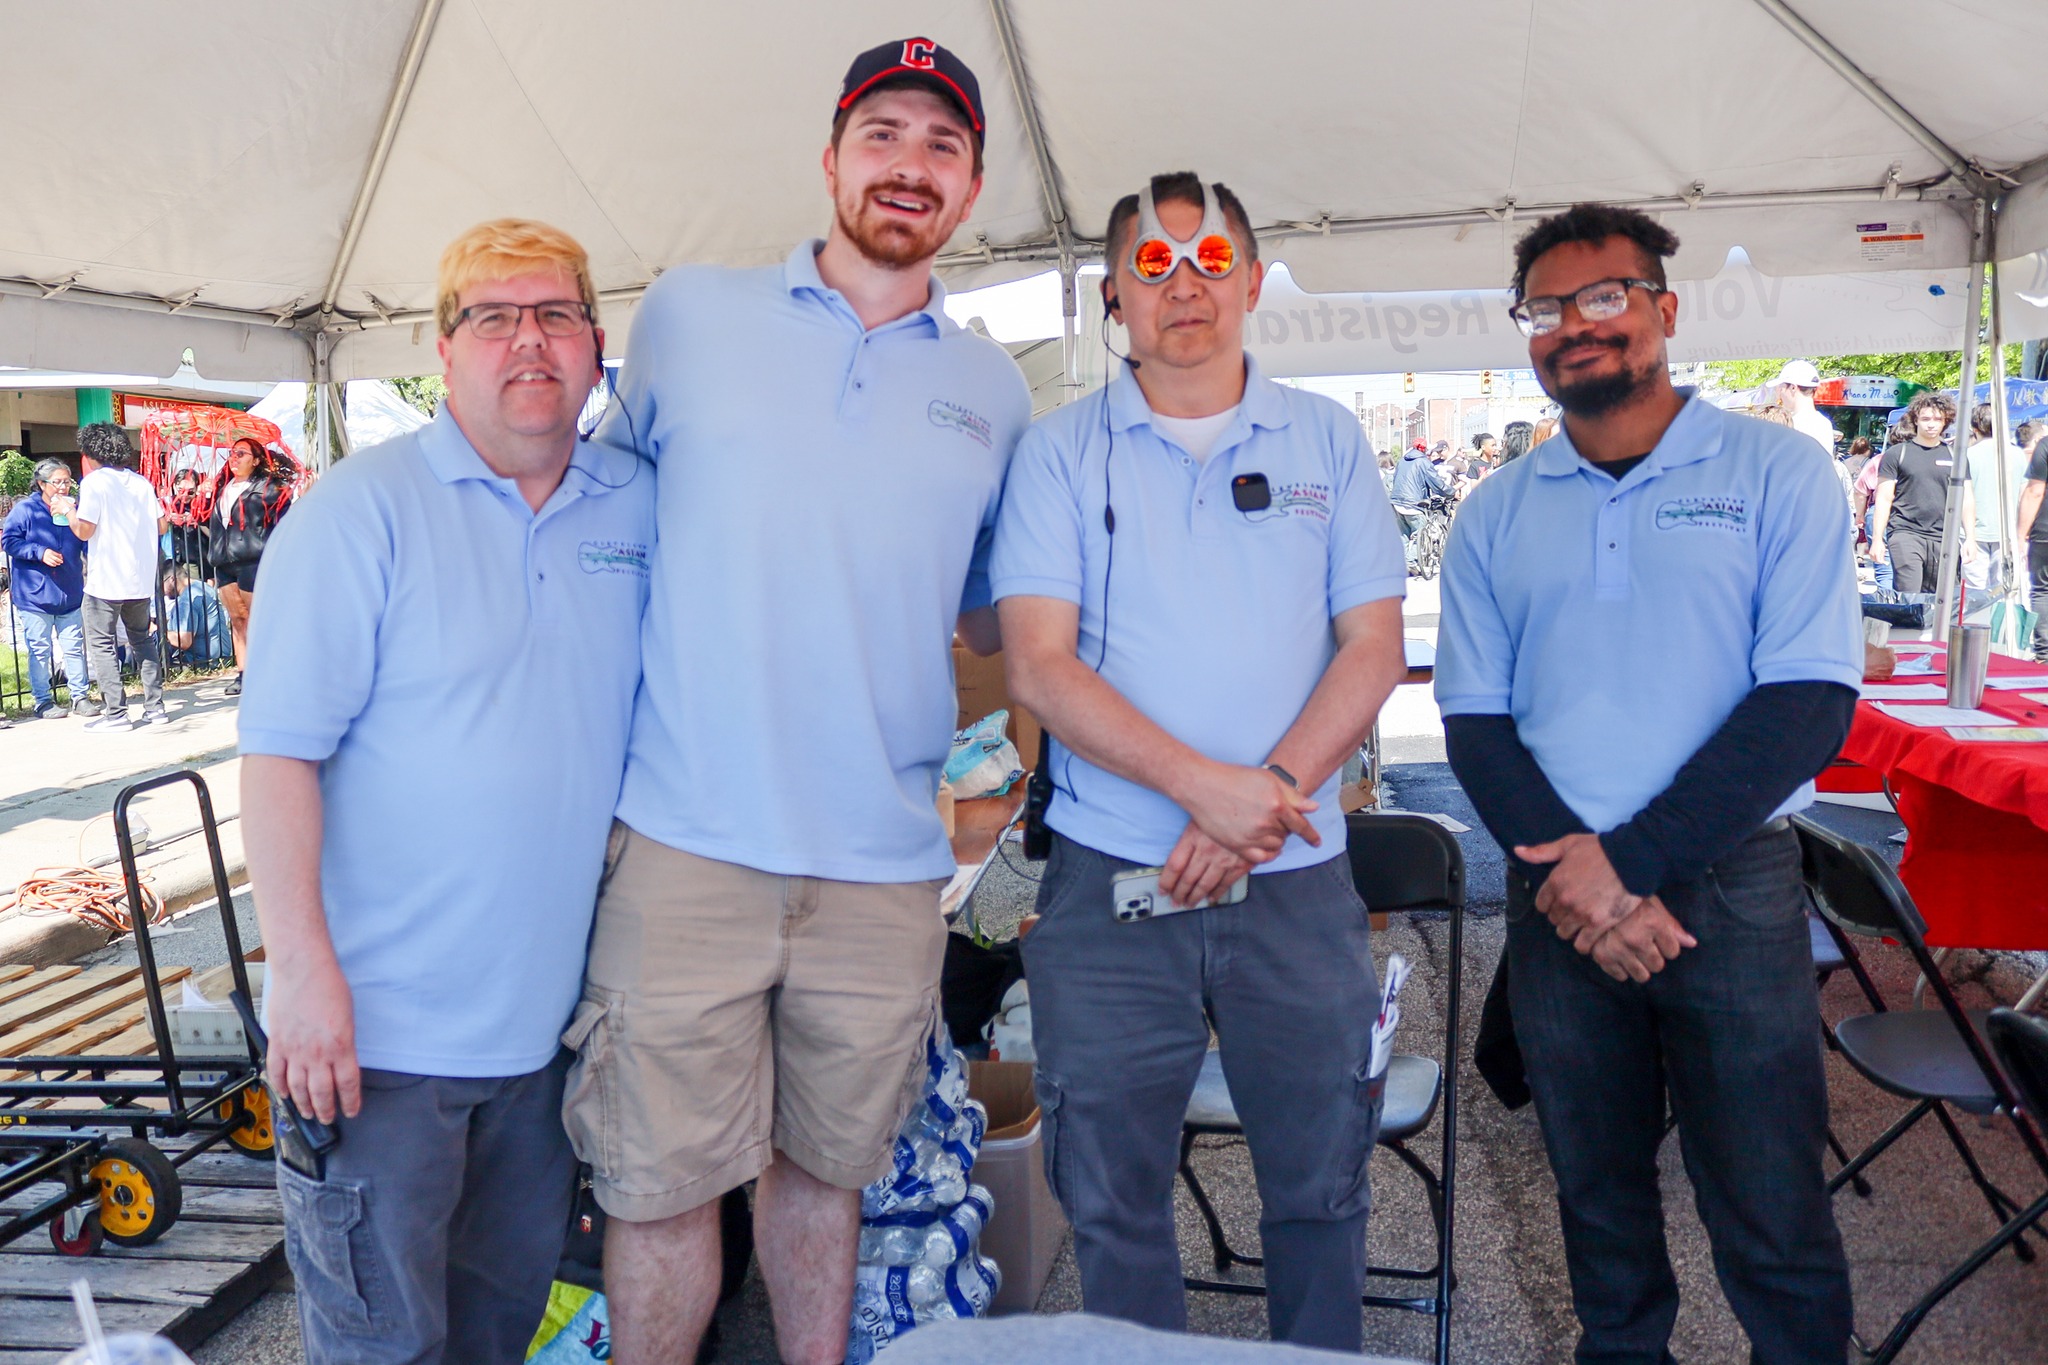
x,y
1408,382
1486,383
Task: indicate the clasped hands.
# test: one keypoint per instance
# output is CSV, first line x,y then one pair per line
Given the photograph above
x,y
1238,817
1629,937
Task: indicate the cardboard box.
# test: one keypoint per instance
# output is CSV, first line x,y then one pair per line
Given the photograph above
x,y
980,689
1027,1228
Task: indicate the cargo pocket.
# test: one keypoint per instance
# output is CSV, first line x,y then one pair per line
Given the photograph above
x,y
1351,1192
330,1252
587,1093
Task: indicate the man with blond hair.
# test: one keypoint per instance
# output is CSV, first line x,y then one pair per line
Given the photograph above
x,y
764,968
440,682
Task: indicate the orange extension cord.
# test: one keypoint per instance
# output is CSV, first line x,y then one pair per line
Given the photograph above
x,y
85,894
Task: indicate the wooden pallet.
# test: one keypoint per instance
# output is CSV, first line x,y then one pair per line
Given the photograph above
x,y
227,1246
225,1250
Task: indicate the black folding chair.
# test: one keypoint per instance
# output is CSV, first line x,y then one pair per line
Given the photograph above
x,y
1936,1058
1399,863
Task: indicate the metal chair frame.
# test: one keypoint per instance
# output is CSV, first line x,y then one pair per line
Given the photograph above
x,y
1883,908
1388,890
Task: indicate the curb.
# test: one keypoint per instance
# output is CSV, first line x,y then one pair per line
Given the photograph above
x,y
51,940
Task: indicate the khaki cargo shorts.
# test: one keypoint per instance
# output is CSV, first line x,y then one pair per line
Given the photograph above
x,y
729,1013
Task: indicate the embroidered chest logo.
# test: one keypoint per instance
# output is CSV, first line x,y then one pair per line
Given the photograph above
x,y
1311,500
1712,513
612,556
963,420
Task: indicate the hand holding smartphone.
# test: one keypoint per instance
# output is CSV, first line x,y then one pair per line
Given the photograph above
x,y
1134,894
302,1143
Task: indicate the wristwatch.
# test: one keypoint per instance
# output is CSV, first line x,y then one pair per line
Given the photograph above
x,y
1283,775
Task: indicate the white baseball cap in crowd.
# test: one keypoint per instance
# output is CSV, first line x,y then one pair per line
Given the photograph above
x,y
1800,373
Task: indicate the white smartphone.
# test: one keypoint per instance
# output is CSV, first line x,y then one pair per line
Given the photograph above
x,y
1135,894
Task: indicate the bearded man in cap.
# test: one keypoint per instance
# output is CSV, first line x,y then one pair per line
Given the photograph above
x,y
764,969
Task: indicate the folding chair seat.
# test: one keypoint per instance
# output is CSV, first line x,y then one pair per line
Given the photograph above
x,y
1399,863
1936,1058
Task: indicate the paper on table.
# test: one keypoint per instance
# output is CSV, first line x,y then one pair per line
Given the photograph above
x,y
1915,663
2013,682
1904,691
1932,716
2018,734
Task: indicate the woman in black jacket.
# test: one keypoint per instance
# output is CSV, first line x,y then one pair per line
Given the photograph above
x,y
249,495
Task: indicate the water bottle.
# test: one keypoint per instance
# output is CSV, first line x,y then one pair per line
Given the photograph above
x,y
954,1236
927,1287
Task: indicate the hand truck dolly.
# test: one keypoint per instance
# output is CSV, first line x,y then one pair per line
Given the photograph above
x,y
126,1189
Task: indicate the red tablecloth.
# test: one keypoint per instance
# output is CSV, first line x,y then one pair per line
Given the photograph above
x,y
1976,814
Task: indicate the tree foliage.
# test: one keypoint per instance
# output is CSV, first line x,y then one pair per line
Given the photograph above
x,y
1935,369
17,474
424,391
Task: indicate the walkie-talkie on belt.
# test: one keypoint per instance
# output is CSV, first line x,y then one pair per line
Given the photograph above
x,y
1037,798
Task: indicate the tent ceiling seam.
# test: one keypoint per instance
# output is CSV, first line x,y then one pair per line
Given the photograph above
x,y
1958,165
1034,131
380,150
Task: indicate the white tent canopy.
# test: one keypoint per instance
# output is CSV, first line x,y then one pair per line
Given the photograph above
x,y
375,413
275,193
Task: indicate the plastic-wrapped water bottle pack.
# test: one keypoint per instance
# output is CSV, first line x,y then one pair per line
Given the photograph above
x,y
921,1223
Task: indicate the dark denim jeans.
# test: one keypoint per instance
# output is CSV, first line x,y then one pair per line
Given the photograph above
x,y
1120,1017
1731,1030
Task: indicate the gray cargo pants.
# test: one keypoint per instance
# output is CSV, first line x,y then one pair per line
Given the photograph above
x,y
1120,1019
436,1233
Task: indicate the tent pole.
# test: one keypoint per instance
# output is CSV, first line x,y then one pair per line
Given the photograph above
x,y
2001,440
323,346
380,150
1948,589
1822,47
1070,350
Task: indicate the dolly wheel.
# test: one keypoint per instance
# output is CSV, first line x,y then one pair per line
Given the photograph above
x,y
140,1194
85,1240
254,1136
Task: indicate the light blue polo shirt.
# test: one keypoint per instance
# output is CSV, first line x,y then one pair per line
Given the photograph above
x,y
1620,623
1217,621
826,494
462,668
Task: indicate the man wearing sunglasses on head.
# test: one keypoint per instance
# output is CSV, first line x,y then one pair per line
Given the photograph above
x,y
1200,584
1650,646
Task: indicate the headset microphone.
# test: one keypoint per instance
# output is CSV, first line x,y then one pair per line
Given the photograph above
x,y
1109,308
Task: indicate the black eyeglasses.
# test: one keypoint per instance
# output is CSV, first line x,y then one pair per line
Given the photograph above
x,y
1597,302
497,321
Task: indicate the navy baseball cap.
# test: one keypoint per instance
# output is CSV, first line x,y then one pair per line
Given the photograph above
x,y
918,59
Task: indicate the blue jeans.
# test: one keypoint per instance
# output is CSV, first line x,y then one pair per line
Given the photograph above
x,y
1731,1031
1120,1018
42,630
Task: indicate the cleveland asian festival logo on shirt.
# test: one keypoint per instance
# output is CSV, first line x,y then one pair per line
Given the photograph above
x,y
1310,500
612,556
967,423
1709,513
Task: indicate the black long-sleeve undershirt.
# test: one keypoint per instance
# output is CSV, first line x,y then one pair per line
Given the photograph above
x,y
1777,737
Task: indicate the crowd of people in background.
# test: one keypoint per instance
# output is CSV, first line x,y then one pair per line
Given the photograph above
x,y
1896,490
106,570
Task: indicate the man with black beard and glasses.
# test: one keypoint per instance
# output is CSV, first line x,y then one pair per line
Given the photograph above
x,y
764,967
1650,645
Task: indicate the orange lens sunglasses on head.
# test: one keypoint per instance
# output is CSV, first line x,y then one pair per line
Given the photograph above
x,y
1155,255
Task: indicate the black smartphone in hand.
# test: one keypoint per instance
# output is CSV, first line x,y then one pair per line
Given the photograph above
x,y
302,1143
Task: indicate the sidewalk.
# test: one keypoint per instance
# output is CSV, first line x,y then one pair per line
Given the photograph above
x,y
56,779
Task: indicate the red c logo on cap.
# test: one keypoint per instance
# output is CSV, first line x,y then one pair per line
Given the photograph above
x,y
917,52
